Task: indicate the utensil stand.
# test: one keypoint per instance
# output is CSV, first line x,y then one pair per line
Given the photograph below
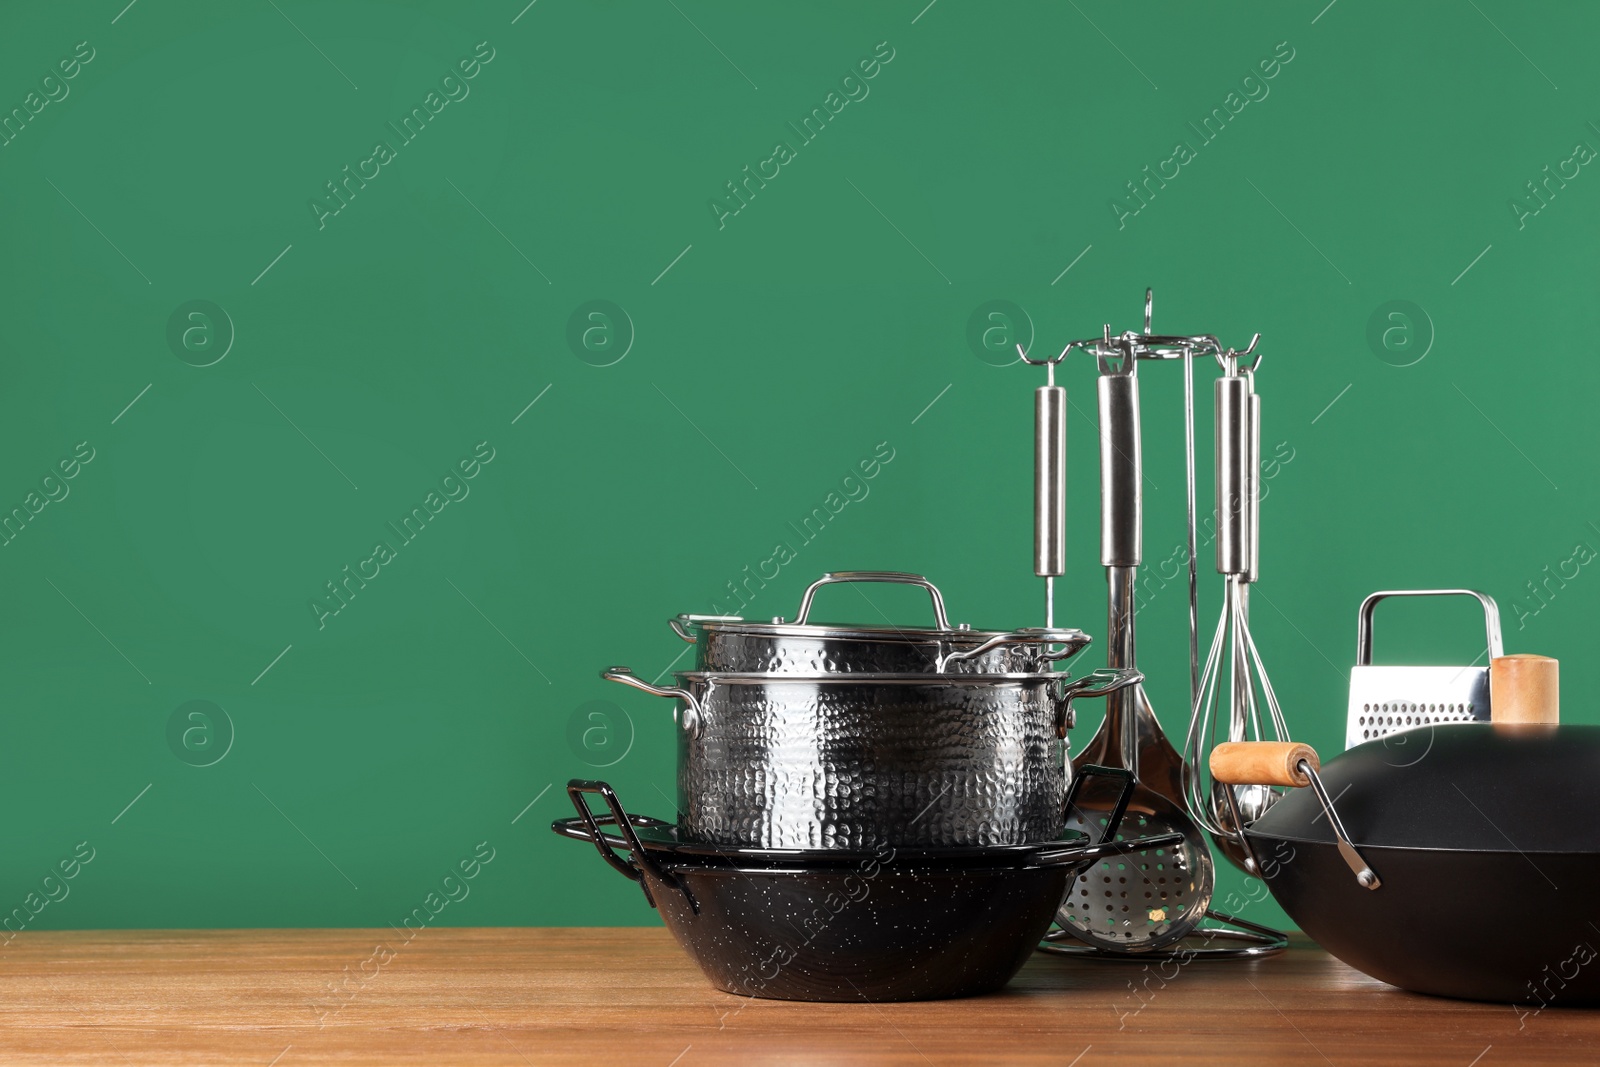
x,y
1106,917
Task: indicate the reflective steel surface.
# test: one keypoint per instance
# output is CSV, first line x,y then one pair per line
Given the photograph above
x,y
849,763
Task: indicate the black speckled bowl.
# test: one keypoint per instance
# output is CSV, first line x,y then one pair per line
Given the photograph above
x,y
879,929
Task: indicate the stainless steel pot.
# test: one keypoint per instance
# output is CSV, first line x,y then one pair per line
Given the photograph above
x,y
731,643
854,761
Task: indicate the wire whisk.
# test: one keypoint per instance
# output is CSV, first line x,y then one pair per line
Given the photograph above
x,y
1227,706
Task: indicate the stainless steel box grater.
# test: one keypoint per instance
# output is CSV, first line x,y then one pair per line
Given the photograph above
x,y
1385,700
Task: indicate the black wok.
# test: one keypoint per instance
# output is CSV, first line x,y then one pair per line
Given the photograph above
x,y
1471,861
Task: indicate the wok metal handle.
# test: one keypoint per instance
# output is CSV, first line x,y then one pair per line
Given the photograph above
x,y
1070,641
1285,763
1098,683
641,861
1491,618
693,712
895,577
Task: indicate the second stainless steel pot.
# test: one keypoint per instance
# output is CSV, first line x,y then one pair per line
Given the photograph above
x,y
871,760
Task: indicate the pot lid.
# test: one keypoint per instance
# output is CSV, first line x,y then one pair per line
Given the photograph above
x,y
801,626
1484,787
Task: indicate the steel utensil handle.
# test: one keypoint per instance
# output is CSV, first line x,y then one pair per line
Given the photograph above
x,y
1233,475
1050,481
895,577
692,710
1291,764
576,788
1252,527
1121,468
1491,618
1093,770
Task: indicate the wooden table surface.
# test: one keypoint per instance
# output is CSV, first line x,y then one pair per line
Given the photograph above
x,y
629,996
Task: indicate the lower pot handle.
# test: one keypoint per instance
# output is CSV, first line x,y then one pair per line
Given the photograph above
x,y
1099,683
641,861
692,712
1114,822
1285,763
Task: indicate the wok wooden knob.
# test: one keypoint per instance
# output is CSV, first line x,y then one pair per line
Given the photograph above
x,y
1262,763
1524,688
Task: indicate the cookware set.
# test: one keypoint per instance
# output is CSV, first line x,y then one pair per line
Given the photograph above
x,y
873,812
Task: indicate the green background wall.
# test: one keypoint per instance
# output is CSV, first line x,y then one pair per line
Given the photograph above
x,y
765,356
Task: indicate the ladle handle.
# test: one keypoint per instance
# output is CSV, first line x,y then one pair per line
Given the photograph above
x,y
1121,468
1263,763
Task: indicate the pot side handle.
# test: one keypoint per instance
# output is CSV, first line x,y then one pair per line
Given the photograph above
x,y
683,624
576,789
692,712
1071,642
1093,770
1098,683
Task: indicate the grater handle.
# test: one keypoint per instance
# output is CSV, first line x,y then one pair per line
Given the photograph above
x,y
1491,618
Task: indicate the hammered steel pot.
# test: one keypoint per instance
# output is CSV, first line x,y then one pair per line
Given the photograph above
x,y
872,760
733,644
